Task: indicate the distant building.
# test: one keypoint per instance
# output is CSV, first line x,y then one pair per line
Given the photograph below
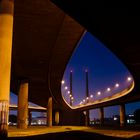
x,y
39,121
130,119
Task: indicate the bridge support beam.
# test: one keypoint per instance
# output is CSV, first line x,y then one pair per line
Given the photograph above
x,y
122,115
57,118
49,112
6,29
87,118
23,106
101,115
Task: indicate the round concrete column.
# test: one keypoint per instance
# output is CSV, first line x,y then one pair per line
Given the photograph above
x,y
23,106
57,117
49,112
101,115
6,29
122,115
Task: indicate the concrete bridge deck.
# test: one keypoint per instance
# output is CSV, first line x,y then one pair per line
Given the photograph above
x,y
41,130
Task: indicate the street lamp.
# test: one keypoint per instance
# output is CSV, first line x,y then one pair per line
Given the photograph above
x,y
91,96
108,89
117,85
99,93
129,79
62,82
66,87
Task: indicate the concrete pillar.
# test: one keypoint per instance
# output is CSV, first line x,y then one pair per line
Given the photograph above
x,y
6,29
87,118
57,117
49,112
122,115
23,106
29,118
101,115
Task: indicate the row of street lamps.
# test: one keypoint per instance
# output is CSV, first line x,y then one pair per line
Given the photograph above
x,y
88,98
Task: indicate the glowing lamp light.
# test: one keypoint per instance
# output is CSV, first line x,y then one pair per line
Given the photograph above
x,y
115,118
70,95
108,89
87,98
72,98
84,100
91,96
81,103
68,92
62,82
66,87
71,71
99,93
129,79
117,85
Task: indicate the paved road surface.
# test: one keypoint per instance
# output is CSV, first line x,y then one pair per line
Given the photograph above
x,y
71,133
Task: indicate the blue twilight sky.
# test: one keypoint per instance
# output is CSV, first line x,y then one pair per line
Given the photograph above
x,y
105,70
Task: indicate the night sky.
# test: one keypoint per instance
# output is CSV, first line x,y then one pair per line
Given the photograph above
x,y
104,69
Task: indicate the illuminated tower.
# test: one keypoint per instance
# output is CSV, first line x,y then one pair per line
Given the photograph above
x,y
87,99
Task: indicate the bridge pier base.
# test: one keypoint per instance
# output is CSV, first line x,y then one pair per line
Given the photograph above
x,y
101,115
23,106
49,112
6,29
57,118
122,115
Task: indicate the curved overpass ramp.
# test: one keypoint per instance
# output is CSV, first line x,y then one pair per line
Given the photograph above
x,y
44,38
116,25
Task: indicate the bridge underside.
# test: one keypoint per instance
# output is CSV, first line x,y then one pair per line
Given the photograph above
x,y
44,38
116,25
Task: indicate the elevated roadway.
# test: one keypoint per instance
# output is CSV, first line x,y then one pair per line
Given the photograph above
x,y
31,108
44,38
116,25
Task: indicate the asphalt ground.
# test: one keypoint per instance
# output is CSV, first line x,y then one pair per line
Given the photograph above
x,y
72,133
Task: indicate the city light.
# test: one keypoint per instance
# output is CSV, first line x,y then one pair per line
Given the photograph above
x,y
84,100
108,89
99,93
129,79
81,103
72,98
66,87
117,85
62,82
91,96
